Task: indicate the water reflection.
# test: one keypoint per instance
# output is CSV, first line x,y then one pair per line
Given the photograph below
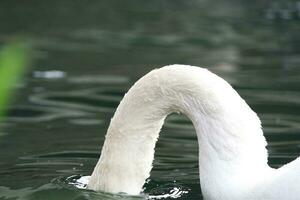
x,y
49,74
175,175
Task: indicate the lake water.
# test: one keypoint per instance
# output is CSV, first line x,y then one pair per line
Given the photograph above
x,y
88,53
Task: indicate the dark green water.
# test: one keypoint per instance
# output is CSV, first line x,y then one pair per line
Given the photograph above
x,y
88,53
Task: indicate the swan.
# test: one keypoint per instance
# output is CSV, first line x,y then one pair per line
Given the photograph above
x,y
232,149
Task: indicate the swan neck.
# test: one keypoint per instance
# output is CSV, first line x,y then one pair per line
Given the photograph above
x,y
227,129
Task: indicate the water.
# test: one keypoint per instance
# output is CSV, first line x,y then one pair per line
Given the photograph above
x,y
87,54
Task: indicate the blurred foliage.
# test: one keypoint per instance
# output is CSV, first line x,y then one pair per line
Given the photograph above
x,y
13,59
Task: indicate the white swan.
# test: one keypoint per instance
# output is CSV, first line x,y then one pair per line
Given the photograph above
x,y
232,154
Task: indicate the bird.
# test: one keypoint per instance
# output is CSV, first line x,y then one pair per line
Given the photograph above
x,y
233,159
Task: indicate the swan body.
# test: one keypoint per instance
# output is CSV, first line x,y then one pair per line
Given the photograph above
x,y
232,148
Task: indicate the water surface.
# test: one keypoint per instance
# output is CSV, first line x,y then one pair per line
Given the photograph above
x,y
87,55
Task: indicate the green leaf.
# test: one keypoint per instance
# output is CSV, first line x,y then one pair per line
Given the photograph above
x,y
13,59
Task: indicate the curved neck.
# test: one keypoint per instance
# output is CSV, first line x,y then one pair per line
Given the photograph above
x,y
229,132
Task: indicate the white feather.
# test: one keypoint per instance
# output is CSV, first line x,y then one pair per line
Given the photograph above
x,y
232,154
